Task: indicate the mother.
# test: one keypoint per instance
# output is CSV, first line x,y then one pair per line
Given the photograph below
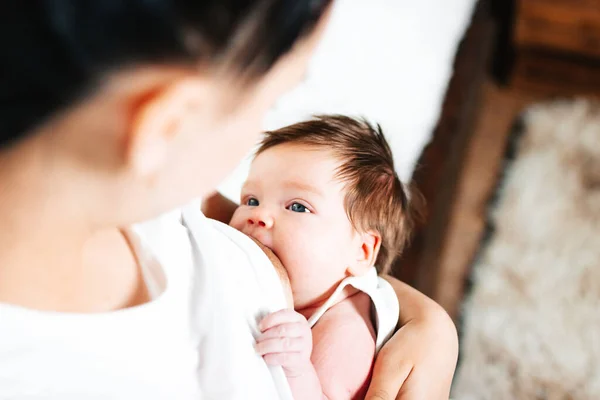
x,y
113,112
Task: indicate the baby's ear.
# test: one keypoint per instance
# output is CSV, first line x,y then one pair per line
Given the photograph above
x,y
366,254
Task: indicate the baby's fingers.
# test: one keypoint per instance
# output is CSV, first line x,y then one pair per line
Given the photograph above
x,y
280,345
285,316
283,359
294,329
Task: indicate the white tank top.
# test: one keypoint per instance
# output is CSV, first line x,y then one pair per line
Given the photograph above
x,y
383,298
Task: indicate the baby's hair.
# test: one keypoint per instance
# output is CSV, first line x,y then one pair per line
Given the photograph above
x,y
375,199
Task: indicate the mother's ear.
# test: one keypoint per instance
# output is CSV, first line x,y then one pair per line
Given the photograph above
x,y
158,117
366,253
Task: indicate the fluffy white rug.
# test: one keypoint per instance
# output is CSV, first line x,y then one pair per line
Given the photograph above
x,y
532,321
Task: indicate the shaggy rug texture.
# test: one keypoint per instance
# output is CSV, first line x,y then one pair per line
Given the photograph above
x,y
531,323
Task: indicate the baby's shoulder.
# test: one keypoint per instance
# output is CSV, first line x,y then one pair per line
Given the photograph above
x,y
359,304
353,312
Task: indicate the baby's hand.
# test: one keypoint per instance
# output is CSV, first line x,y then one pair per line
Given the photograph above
x,y
286,340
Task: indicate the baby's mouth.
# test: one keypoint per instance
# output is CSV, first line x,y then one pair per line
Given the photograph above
x,y
263,246
282,272
273,257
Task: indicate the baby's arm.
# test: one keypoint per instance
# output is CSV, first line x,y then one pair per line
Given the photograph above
x,y
339,365
286,340
344,349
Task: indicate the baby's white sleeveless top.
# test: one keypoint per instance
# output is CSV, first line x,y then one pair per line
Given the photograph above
x,y
383,298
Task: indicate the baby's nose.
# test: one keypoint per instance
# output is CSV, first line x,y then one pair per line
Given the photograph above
x,y
263,221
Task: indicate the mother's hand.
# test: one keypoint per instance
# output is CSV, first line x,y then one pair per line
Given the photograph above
x,y
418,362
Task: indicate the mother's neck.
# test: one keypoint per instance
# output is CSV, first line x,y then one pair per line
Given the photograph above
x,y
51,258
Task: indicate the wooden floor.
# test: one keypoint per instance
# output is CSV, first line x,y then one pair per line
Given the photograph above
x,y
500,108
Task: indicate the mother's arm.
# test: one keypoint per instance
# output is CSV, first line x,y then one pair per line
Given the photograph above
x,y
419,360
219,207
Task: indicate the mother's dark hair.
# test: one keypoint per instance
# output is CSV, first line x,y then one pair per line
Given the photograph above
x,y
54,52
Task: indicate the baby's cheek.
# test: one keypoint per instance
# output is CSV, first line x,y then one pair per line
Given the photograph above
x,y
309,248
236,219
301,245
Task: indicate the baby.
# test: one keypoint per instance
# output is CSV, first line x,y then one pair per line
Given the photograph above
x,y
324,197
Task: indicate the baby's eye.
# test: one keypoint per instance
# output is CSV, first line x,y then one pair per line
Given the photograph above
x,y
252,202
297,207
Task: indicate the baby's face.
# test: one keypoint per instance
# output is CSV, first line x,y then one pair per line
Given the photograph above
x,y
293,204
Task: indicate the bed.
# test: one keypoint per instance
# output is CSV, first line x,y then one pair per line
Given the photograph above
x,y
393,62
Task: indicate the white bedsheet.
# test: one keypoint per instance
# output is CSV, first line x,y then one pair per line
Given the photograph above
x,y
387,60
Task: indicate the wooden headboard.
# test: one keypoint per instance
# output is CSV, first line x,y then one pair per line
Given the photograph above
x,y
441,161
